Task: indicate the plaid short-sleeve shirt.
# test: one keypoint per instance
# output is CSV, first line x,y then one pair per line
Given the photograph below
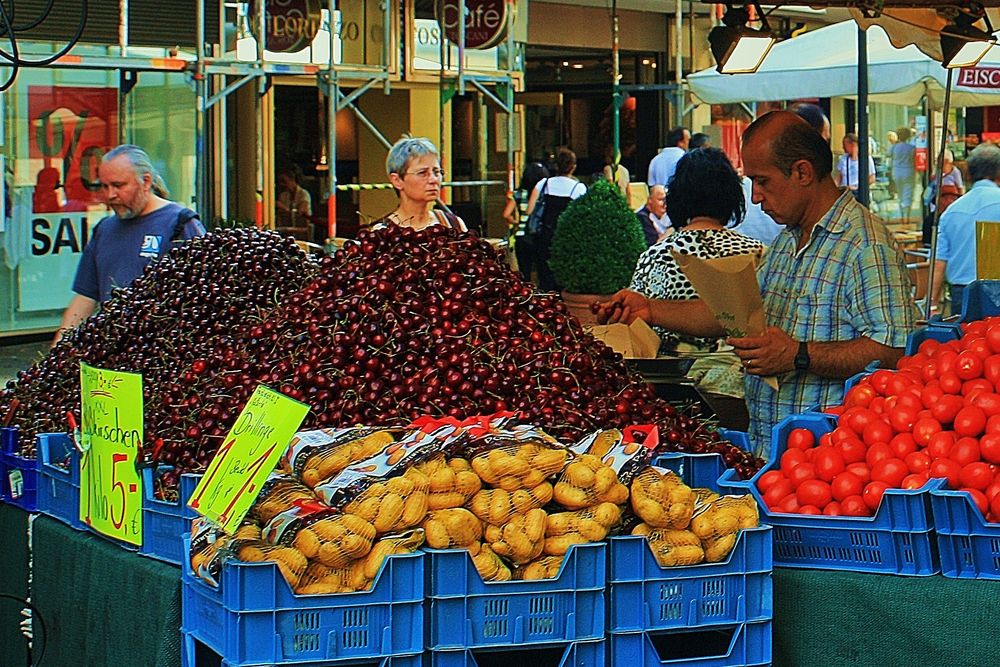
x,y
849,281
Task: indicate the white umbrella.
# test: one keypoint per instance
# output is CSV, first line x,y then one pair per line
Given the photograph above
x,y
824,63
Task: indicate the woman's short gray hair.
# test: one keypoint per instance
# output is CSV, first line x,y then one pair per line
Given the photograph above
x,y
407,149
142,165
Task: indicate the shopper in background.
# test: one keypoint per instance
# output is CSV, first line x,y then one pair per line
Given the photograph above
x,y
903,172
653,215
294,205
705,199
834,284
414,169
756,224
557,192
699,140
956,248
661,167
145,225
815,116
616,174
847,174
952,187
516,215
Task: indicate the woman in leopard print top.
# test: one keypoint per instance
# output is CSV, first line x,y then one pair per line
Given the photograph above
x,y
704,198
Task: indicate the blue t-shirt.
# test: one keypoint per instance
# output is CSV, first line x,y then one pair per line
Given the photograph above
x,y
119,250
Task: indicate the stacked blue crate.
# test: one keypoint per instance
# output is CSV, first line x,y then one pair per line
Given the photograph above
x,y
59,479
19,481
165,522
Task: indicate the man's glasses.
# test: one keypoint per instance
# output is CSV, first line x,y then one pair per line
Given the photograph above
x,y
426,173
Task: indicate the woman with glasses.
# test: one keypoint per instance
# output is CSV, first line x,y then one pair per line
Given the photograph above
x,y
414,169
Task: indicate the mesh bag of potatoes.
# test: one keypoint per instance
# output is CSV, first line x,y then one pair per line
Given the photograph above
x,y
290,561
546,567
505,463
395,504
453,528
718,522
452,481
496,506
330,538
598,443
520,539
661,499
592,524
672,547
315,456
588,481
489,565
279,494
359,574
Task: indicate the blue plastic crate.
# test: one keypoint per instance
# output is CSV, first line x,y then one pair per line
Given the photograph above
x,y
9,440
939,331
702,470
899,539
645,596
20,481
3,487
190,652
981,298
575,654
58,486
969,546
165,523
467,612
287,628
743,645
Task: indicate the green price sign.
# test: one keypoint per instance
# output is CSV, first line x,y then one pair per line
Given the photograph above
x,y
249,453
111,428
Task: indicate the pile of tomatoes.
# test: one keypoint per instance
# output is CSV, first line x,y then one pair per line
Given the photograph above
x,y
936,416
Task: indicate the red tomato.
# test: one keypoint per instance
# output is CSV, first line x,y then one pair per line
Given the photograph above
x,y
978,346
800,438
987,401
891,471
901,418
950,383
929,346
946,408
945,359
829,463
872,495
790,505
861,471
801,473
914,481
852,450
860,395
813,492
854,506
931,394
879,379
924,429
979,499
910,399
929,373
969,365
995,505
966,450
792,458
902,444
970,421
809,509
769,479
940,444
993,338
993,489
989,447
857,418
991,368
976,475
837,435
876,453
778,492
917,462
947,469
898,383
993,424
846,484
832,509
878,430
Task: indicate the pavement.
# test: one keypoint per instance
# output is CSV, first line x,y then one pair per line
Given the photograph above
x,y
19,356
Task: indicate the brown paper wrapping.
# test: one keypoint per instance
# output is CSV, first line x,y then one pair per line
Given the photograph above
x,y
728,286
632,341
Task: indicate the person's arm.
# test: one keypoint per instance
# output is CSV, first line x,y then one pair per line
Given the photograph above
x,y
80,308
871,170
939,269
774,354
532,199
838,175
303,205
686,317
508,210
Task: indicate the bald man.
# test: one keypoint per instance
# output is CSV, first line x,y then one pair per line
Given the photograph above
x,y
653,216
834,284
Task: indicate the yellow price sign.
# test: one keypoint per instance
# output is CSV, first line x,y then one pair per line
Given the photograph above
x,y
249,453
111,430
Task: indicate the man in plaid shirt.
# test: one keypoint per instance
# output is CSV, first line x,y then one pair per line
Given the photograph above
x,y
834,283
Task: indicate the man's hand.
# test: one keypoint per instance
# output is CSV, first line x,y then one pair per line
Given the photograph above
x,y
770,354
624,306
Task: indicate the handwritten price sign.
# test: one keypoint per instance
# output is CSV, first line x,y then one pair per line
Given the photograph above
x,y
250,452
110,435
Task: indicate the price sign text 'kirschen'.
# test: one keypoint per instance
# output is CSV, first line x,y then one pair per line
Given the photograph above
x,y
111,428
247,456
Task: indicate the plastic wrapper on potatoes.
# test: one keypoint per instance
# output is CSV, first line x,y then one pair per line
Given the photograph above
x,y
279,494
316,456
661,499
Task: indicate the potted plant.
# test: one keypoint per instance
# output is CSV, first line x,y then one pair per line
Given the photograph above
x,y
595,247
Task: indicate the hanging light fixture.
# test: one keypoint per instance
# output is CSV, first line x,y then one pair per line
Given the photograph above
x,y
739,49
963,44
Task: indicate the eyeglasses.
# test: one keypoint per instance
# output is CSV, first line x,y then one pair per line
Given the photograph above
x,y
425,173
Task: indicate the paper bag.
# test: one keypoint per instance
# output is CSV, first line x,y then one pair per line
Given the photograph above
x,y
728,286
632,341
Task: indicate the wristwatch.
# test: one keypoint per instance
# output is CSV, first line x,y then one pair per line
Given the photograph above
x,y
802,357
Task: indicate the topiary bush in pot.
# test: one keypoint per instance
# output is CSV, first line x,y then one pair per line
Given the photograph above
x,y
595,247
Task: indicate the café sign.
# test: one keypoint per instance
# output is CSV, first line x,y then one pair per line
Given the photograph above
x,y
485,21
291,25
